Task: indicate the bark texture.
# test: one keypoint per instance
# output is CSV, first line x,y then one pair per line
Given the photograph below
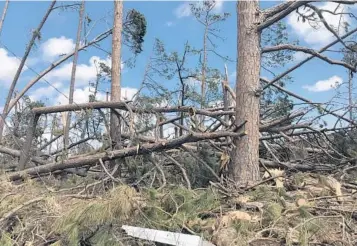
x,y
116,69
245,158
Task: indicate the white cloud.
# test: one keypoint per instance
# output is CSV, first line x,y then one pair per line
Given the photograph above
x,y
45,92
169,23
54,47
320,35
127,93
219,6
184,9
79,96
8,68
324,85
233,75
299,56
193,82
84,73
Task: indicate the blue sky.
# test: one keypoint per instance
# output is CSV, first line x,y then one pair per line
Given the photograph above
x,y
168,21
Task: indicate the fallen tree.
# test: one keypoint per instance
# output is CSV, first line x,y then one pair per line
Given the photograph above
x,y
110,155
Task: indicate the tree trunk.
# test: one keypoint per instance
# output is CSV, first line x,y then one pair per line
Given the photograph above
x,y
116,69
73,76
245,159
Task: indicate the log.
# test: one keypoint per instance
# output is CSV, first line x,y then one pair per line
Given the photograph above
x,y
298,166
17,153
126,107
133,151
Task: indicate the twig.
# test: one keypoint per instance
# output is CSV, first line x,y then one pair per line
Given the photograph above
x,y
16,209
188,183
108,173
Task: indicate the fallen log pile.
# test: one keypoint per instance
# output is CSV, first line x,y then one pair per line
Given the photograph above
x,y
277,136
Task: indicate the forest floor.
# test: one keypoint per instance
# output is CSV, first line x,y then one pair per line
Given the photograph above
x,y
302,209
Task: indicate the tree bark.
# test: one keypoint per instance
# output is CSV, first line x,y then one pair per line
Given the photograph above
x,y
116,69
35,35
73,75
245,159
146,148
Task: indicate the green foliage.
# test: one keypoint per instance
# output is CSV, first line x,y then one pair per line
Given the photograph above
x,y
134,30
6,240
119,205
203,12
177,205
277,102
272,212
20,119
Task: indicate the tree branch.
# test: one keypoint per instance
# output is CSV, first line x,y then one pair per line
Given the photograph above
x,y
307,59
308,51
276,13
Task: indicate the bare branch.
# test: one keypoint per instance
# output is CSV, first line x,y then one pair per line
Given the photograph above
x,y
52,66
328,27
276,13
308,101
307,59
308,51
35,34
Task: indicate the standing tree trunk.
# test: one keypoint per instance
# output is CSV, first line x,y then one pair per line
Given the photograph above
x,y
115,130
245,159
36,33
73,76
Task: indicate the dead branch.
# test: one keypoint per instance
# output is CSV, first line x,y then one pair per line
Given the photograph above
x,y
17,153
154,161
276,13
279,121
308,101
16,209
276,79
35,34
298,166
201,161
124,106
328,27
184,173
308,51
97,39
